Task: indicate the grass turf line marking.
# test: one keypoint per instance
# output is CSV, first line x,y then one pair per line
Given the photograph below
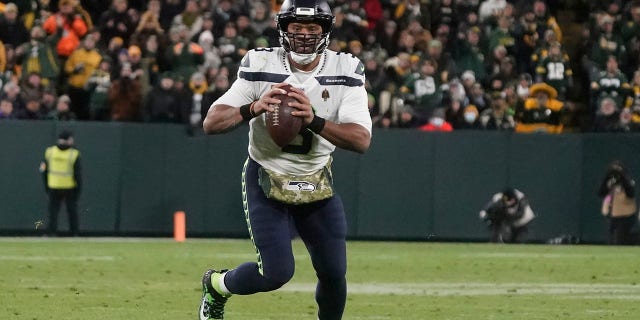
x,y
564,255
576,290
57,258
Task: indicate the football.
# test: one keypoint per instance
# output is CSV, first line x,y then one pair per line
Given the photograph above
x,y
282,126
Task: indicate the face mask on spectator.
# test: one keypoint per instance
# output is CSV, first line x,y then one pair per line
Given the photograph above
x,y
469,117
522,91
437,121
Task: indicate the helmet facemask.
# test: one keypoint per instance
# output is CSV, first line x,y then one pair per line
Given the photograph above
x,y
304,43
304,47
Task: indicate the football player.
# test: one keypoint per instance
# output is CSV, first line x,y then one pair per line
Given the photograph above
x,y
332,101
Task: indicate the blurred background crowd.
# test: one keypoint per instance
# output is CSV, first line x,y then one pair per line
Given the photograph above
x,y
437,65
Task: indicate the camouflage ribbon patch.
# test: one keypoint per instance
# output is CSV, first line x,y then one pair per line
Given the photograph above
x,y
297,189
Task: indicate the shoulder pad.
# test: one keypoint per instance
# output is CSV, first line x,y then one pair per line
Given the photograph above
x,y
255,58
342,69
345,59
262,64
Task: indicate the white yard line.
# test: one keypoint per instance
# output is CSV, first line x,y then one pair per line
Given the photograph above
x,y
56,258
91,239
562,255
574,290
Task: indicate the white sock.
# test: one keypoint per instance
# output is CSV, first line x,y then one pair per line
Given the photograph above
x,y
223,287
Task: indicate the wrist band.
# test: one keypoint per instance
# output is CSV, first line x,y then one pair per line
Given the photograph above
x,y
245,112
316,125
253,114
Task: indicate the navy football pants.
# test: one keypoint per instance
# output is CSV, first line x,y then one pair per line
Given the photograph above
x,y
322,227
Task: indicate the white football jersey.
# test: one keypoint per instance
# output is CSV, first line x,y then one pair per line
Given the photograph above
x,y
335,89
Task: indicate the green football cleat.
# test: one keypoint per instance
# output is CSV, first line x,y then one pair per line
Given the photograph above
x,y
212,305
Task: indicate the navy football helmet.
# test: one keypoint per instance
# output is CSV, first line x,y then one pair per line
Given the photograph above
x,y
305,11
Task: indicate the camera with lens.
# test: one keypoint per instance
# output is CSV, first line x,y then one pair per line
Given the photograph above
x,y
496,212
614,178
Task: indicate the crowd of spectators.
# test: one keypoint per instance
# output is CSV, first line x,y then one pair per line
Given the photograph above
x,y
438,65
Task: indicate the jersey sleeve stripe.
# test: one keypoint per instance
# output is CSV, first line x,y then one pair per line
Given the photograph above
x,y
263,76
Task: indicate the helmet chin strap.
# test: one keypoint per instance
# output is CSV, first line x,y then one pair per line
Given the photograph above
x,y
303,58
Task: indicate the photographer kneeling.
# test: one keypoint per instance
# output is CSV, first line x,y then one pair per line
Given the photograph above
x,y
508,215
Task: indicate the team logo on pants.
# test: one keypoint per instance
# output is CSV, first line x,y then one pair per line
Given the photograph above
x,y
300,186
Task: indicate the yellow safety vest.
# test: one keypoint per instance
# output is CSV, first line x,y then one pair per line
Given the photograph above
x,y
60,167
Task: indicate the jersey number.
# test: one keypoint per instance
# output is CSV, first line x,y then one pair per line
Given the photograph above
x,y
555,71
304,148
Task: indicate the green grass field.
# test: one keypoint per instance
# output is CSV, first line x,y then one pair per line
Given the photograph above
x,y
145,279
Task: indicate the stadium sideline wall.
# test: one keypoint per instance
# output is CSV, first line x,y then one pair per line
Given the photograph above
x,y
410,185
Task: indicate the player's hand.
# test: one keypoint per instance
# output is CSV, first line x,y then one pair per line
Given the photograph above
x,y
265,102
305,110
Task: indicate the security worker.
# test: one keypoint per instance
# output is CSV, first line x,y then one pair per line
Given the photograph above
x,y
62,180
